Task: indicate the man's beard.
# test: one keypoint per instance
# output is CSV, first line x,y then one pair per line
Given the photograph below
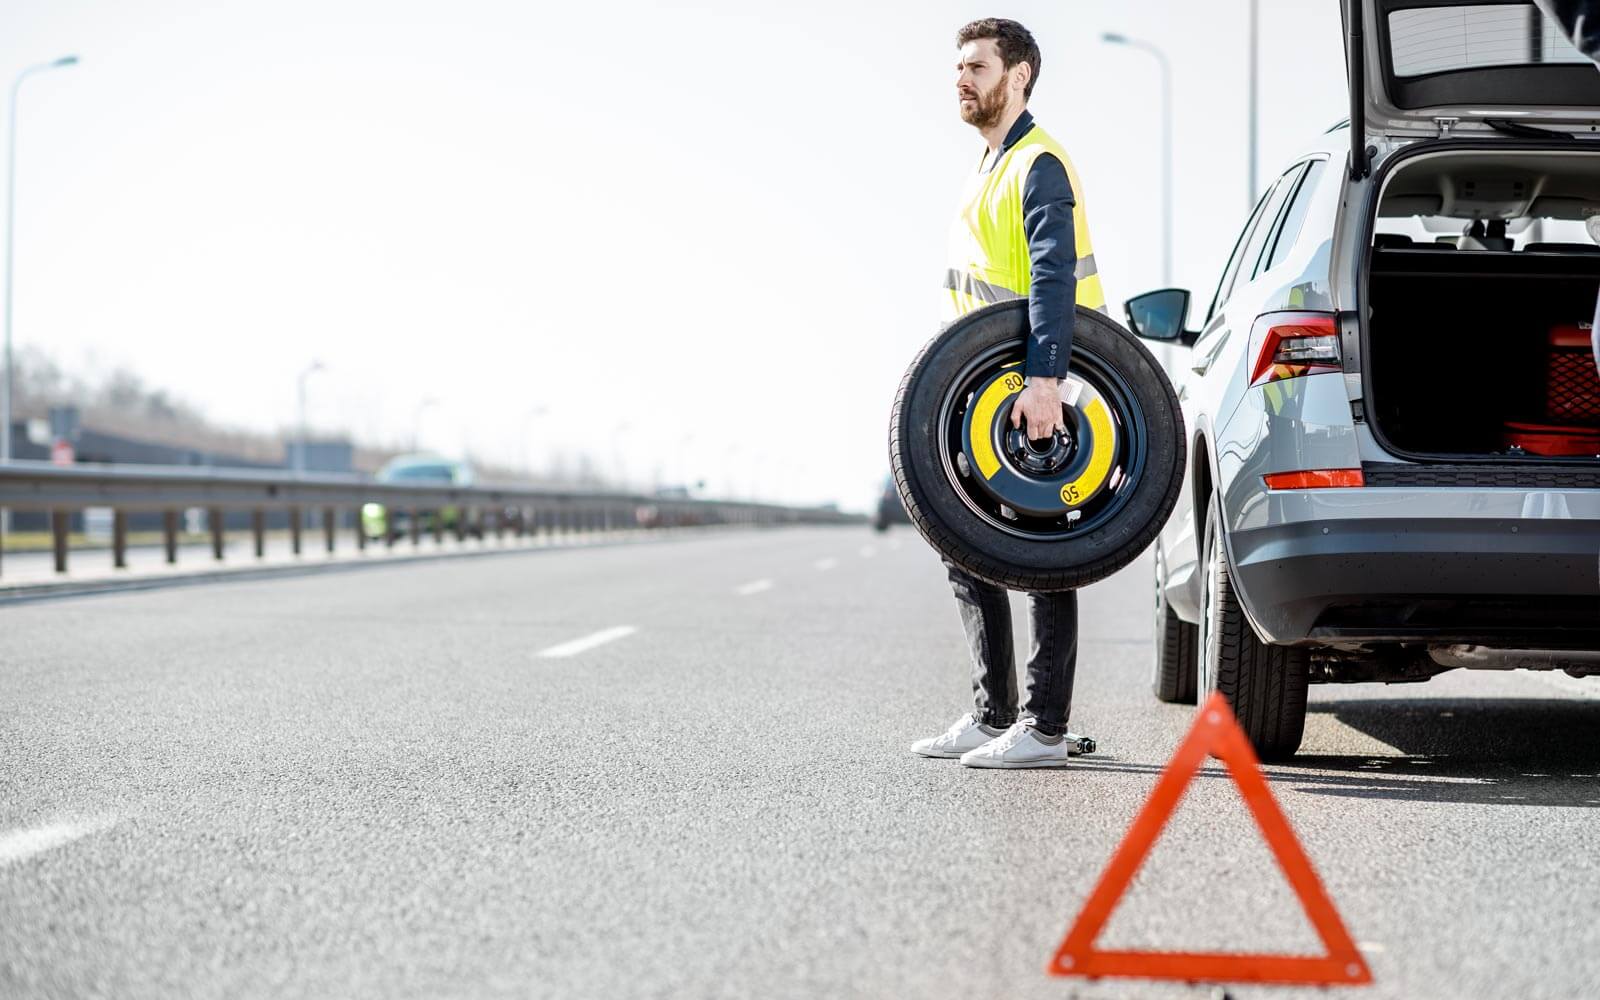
x,y
988,109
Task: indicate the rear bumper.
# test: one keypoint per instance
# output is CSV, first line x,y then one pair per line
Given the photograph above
x,y
1491,567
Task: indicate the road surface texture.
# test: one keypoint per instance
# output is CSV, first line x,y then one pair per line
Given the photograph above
x,y
680,769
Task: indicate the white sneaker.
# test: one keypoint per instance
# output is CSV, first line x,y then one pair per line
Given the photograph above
x,y
1019,746
966,734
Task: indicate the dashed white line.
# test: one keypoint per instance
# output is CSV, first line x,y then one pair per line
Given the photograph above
x,y
588,642
826,564
22,844
753,587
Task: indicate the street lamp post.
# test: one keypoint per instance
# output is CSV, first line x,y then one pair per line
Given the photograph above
x,y
1255,44
305,433
1166,145
9,384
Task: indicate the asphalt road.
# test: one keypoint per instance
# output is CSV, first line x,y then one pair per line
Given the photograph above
x,y
370,783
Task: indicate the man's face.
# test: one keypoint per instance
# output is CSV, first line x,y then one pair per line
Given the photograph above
x,y
983,85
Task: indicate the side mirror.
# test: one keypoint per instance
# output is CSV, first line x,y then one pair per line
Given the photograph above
x,y
1161,315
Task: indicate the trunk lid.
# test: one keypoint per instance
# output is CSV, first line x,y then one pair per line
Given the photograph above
x,y
1422,68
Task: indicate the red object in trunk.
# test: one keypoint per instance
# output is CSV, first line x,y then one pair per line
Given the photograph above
x,y
1571,399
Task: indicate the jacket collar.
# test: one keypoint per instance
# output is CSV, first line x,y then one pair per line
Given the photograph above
x,y
1019,128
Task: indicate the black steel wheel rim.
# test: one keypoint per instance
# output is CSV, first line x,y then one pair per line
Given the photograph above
x,y
1128,457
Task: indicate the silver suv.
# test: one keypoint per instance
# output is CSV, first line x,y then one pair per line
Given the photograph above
x,y
1394,463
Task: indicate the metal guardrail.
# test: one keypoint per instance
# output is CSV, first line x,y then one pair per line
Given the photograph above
x,y
61,490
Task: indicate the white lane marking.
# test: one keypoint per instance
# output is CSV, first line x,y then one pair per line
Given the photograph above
x,y
753,587
22,844
1583,687
867,552
589,642
826,564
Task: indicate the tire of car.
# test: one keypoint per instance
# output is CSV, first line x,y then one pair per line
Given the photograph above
x,y
944,498
1176,642
1264,684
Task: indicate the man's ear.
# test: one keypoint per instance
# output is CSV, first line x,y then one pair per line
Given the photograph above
x,y
1023,73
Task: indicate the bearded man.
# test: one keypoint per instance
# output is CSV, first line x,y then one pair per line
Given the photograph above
x,y
1021,233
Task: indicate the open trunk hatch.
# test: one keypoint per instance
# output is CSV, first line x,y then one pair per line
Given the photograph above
x,y
1419,67
1481,290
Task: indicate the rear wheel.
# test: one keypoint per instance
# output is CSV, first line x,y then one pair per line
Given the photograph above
x,y
1264,684
1176,641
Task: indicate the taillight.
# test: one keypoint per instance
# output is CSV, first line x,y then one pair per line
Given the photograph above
x,y
1288,345
1314,479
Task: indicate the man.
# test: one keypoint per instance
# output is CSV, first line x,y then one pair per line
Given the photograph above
x,y
1021,233
1580,21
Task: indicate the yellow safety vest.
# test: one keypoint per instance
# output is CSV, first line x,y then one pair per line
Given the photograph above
x,y
988,248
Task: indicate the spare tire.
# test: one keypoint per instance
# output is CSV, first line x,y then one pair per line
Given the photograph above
x,y
1037,516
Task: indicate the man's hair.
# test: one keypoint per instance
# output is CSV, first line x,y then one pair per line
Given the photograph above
x,y
1015,43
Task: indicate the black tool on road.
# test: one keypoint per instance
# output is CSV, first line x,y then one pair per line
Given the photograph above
x,y
1079,744
1046,515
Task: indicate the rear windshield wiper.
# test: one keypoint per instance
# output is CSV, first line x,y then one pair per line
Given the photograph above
x,y
1526,131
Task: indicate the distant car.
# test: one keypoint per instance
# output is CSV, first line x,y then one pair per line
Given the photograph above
x,y
416,470
890,509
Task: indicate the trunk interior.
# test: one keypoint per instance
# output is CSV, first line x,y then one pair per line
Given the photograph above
x,y
1478,344
1460,359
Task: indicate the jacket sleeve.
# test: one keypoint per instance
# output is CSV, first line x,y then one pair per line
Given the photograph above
x,y
1047,203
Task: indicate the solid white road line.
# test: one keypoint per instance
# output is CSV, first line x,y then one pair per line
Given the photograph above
x,y
826,564
753,587
589,642
22,844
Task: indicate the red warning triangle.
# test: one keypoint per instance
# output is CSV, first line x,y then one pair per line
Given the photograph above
x,y
1217,733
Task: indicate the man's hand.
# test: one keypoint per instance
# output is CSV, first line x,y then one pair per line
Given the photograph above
x,y
1040,404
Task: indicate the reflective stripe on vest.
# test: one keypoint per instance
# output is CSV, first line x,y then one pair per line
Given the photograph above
x,y
989,260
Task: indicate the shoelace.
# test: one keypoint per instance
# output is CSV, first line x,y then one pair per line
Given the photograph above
x,y
961,725
1008,739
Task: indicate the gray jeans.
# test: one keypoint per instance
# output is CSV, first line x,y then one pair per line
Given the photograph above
x,y
1052,661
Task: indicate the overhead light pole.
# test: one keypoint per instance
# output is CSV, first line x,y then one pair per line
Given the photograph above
x,y
1255,47
9,384
1166,145
304,431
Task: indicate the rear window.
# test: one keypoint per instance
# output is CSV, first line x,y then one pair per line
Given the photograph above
x,y
1447,39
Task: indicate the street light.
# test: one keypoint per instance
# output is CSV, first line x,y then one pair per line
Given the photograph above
x,y
11,215
1166,145
305,433
1255,45
416,421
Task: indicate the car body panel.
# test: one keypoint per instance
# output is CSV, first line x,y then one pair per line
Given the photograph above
x,y
1298,553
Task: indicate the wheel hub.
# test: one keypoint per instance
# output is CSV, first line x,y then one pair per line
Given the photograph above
x,y
1046,478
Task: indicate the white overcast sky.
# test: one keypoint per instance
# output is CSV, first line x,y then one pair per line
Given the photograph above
x,y
706,235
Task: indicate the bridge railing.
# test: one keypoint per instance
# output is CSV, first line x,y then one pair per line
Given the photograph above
x,y
522,512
